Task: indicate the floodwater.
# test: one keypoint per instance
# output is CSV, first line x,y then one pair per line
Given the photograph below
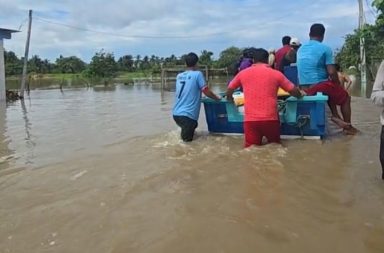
x,y
103,171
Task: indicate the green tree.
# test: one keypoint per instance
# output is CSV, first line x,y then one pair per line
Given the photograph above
x,y
13,65
102,65
138,62
126,63
349,54
206,58
145,63
37,65
229,58
71,64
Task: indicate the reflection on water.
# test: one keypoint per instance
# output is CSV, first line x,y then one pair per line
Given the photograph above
x,y
5,153
104,171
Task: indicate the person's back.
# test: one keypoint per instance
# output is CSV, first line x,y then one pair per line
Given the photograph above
x,y
188,93
291,56
312,60
189,86
260,84
282,51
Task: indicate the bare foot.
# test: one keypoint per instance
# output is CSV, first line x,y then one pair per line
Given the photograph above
x,y
350,130
341,123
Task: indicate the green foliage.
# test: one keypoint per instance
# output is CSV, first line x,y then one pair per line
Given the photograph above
x,y
373,35
70,64
229,57
13,65
206,58
379,4
126,63
37,65
102,65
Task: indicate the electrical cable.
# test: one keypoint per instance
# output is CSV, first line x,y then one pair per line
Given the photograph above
x,y
130,36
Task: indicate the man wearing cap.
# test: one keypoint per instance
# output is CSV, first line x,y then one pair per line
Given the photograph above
x,y
316,69
290,56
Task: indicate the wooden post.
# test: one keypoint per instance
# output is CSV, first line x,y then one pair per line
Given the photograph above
x,y
2,72
161,79
24,76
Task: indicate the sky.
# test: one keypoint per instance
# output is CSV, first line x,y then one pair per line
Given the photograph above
x,y
165,27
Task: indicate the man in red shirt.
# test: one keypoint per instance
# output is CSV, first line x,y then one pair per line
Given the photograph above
x,y
260,84
280,53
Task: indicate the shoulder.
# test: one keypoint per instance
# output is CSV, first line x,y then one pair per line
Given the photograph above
x,y
276,73
181,74
196,73
278,51
324,47
304,47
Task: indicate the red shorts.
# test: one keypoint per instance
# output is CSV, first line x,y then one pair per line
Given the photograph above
x,y
255,130
336,94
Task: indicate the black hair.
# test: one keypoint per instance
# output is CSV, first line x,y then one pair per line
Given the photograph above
x,y
338,67
286,40
317,30
259,55
191,60
247,53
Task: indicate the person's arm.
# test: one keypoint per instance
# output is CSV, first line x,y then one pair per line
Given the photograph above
x,y
377,95
204,87
233,85
210,93
332,73
289,87
331,69
296,92
348,80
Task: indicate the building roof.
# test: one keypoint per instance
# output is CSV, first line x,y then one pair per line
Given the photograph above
x,y
6,33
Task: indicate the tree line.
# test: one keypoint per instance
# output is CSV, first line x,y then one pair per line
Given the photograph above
x,y
373,34
104,65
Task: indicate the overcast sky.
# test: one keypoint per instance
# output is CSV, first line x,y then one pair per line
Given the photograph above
x,y
165,27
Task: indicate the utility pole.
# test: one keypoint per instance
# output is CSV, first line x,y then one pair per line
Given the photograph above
x,y
24,76
363,66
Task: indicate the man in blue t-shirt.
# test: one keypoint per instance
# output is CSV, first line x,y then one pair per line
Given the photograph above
x,y
316,68
189,86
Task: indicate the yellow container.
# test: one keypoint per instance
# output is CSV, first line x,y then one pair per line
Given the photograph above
x,y
238,97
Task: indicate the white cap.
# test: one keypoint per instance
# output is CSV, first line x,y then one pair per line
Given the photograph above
x,y
295,42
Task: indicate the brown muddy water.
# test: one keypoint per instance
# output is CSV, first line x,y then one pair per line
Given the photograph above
x,y
103,170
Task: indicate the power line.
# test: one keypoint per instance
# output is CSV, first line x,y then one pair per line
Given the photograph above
x,y
22,23
129,36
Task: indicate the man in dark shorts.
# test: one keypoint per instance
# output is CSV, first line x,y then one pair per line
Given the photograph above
x,y
189,86
316,69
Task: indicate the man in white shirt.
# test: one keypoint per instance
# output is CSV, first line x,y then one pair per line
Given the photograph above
x,y
378,99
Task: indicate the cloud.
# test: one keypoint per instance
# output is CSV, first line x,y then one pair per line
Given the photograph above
x,y
195,25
